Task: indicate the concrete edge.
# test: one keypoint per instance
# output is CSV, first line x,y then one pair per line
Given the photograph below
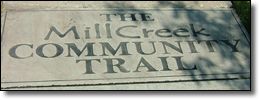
x,y
240,23
107,9
235,84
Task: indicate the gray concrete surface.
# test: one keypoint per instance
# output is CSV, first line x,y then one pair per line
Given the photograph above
x,y
241,84
29,23
114,4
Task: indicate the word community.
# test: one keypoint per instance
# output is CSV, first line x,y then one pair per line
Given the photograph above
x,y
123,46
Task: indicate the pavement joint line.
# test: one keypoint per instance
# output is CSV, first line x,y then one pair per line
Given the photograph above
x,y
124,83
125,77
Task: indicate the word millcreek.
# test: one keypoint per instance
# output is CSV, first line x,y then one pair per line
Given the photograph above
x,y
123,46
181,32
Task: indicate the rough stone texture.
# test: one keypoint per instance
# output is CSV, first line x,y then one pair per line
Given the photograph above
x,y
115,4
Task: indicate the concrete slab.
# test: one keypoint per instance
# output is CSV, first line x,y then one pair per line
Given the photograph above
x,y
110,46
